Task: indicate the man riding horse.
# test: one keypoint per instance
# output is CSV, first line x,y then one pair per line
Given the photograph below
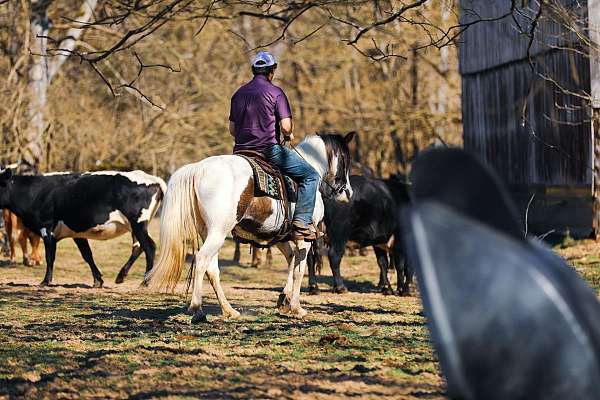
x,y
260,112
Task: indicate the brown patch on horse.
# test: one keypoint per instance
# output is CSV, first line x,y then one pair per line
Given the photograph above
x,y
260,209
254,217
245,199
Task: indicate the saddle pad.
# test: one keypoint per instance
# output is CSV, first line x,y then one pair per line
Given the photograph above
x,y
266,184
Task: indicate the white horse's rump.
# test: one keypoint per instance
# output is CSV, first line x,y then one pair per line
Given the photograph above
x,y
211,198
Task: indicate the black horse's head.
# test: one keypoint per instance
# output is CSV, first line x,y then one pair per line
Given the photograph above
x,y
336,184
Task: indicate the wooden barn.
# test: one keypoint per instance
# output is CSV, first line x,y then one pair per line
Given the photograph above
x,y
528,105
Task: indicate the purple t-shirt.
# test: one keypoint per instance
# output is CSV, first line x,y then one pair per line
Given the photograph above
x,y
256,110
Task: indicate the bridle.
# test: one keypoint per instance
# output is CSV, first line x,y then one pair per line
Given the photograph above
x,y
335,191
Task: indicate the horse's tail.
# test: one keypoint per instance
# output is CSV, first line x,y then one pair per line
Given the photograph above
x,y
180,222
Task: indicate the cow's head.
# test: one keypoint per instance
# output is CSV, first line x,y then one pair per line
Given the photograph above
x,y
5,180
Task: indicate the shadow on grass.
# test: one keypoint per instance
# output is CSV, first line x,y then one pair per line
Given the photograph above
x,y
64,286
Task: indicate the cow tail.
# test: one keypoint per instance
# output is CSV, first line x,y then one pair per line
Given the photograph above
x,y
180,222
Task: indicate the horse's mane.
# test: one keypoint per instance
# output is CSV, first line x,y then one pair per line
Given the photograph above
x,y
336,144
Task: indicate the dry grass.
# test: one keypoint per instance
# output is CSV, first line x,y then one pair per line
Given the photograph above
x,y
71,341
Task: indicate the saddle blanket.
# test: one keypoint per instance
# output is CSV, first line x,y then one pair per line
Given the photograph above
x,y
266,184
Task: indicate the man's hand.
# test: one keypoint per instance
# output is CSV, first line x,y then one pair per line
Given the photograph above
x,y
286,128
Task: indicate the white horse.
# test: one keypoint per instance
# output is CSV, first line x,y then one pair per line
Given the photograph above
x,y
215,196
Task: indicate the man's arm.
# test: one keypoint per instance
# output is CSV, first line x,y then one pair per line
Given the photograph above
x,y
232,128
287,126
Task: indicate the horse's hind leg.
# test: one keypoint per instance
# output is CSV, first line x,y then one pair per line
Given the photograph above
x,y
285,298
195,307
302,249
207,262
213,274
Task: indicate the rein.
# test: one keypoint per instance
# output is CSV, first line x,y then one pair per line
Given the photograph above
x,y
333,189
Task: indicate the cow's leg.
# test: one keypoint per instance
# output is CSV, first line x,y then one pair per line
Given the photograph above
x,y
35,249
256,257
50,250
311,260
86,252
12,239
283,303
136,250
140,231
382,262
381,283
404,270
237,254
336,252
23,246
269,257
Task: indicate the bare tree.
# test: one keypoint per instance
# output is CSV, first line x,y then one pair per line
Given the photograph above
x,y
44,68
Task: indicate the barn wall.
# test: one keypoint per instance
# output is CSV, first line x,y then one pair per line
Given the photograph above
x,y
538,137
487,45
542,138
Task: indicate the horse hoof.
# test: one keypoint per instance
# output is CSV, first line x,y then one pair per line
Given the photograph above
x,y
298,312
98,284
340,289
233,314
199,317
44,283
283,303
314,290
405,292
120,279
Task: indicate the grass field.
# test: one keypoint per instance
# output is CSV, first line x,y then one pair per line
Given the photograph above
x,y
71,341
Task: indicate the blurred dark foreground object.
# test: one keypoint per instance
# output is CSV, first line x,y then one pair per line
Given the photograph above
x,y
509,318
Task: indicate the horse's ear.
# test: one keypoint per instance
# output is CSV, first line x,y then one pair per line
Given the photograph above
x,y
349,136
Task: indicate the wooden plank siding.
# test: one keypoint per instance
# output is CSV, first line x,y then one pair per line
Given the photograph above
x,y
535,135
549,143
487,45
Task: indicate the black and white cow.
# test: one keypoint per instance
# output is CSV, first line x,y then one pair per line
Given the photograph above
x,y
93,205
371,218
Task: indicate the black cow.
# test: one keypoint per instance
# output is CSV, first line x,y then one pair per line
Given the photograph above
x,y
95,205
369,219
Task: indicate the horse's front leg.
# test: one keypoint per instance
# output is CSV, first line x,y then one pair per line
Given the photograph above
x,y
285,298
302,249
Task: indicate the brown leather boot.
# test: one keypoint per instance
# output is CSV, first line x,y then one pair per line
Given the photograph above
x,y
302,231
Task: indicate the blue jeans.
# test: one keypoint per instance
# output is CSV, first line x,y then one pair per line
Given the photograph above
x,y
294,166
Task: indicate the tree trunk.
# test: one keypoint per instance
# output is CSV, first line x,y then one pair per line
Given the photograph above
x,y
38,83
43,68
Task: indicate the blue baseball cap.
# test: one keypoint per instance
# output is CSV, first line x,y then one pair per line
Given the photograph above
x,y
264,59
